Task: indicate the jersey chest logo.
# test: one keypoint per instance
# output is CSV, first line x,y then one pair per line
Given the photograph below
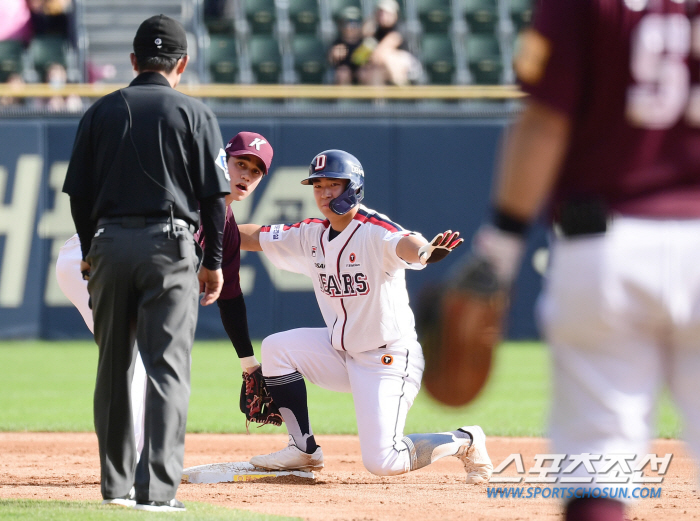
x,y
387,359
347,285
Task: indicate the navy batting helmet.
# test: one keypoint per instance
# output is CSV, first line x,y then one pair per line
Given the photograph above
x,y
337,164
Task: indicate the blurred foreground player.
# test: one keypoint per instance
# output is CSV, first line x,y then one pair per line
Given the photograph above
x,y
610,138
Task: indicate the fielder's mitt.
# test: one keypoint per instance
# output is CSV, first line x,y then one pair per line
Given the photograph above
x,y
459,324
256,402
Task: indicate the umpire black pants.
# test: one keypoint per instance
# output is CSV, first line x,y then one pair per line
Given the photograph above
x,y
142,289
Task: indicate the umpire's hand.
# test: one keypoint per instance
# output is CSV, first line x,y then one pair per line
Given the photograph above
x,y
210,283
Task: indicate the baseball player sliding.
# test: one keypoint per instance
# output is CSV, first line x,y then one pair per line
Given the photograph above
x,y
356,258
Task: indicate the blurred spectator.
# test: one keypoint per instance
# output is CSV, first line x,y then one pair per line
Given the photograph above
x,y
56,77
15,20
17,83
50,17
348,54
390,62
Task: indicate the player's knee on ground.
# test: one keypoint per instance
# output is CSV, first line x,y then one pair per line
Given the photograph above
x,y
391,464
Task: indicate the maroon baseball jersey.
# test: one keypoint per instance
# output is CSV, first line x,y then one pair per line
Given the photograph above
x,y
231,261
626,74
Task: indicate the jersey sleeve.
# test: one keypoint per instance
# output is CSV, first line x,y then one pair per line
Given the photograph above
x,y
231,260
391,261
550,63
283,245
209,175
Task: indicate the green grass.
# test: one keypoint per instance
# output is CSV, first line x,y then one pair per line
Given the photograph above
x,y
48,386
93,510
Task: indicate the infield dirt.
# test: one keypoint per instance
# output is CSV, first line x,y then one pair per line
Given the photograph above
x,y
66,466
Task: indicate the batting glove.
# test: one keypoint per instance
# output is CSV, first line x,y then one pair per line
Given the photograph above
x,y
441,245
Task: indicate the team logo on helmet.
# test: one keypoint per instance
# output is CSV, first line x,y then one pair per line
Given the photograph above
x,y
320,162
387,359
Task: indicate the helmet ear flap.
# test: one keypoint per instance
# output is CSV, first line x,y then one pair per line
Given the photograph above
x,y
346,201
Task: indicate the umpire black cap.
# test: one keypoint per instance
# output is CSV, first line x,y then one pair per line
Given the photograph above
x,y
160,35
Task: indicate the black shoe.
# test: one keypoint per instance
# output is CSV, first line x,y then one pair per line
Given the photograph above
x,y
161,506
127,501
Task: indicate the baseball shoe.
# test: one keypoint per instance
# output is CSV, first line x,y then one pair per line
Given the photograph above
x,y
161,506
127,501
474,457
290,458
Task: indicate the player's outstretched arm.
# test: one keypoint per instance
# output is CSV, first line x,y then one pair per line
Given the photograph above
x,y
414,249
250,237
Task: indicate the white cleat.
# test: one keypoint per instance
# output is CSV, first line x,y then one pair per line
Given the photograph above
x,y
474,457
290,458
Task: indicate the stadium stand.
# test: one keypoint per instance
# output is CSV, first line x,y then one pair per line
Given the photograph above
x,y
484,59
481,15
10,58
47,50
310,61
435,15
438,58
304,16
265,58
261,15
521,13
222,58
275,41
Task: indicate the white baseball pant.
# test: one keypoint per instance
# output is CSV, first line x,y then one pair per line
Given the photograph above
x,y
382,392
75,288
621,313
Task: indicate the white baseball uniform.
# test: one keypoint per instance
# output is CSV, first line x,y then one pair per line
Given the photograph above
x,y
75,288
369,345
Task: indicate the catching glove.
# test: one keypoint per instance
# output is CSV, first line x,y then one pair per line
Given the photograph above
x,y
256,402
461,321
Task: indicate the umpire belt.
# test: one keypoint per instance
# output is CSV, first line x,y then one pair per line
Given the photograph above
x,y
139,221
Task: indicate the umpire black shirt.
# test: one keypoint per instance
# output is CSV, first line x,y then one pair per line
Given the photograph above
x,y
143,148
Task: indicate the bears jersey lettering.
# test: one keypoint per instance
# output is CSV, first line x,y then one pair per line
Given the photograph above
x,y
358,278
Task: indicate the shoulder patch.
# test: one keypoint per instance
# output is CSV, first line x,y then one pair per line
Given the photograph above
x,y
221,163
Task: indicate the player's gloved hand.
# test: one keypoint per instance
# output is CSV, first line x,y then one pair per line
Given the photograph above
x,y
441,245
256,402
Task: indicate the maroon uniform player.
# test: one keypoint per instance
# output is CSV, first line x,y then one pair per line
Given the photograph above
x,y
248,158
609,141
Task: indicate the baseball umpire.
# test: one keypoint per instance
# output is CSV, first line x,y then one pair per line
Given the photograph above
x,y
144,160
610,137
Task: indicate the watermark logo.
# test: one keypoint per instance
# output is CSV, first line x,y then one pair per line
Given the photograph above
x,y
583,468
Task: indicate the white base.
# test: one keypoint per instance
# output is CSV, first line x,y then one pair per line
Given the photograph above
x,y
235,471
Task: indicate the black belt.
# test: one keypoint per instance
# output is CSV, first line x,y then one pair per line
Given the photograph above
x,y
589,217
140,221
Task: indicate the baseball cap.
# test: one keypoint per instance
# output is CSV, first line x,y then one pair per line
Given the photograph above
x,y
391,6
250,143
160,35
351,14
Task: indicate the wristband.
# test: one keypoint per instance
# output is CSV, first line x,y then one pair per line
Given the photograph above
x,y
504,250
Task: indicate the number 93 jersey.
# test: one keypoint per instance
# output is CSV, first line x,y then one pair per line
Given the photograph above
x,y
626,74
358,278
